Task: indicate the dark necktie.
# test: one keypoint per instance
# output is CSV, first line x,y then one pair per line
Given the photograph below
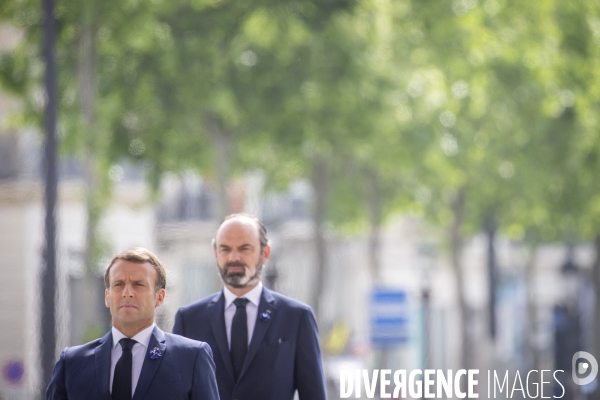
x,y
121,389
239,336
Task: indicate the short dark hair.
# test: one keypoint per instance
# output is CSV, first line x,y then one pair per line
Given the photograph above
x,y
139,255
262,231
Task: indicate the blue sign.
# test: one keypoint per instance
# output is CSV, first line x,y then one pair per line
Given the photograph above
x,y
389,316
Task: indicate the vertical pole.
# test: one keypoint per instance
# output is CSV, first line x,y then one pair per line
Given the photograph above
x,y
48,275
490,228
425,298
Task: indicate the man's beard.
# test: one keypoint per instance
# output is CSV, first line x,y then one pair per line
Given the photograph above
x,y
240,280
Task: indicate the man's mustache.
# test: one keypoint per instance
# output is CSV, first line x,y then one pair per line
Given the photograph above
x,y
235,264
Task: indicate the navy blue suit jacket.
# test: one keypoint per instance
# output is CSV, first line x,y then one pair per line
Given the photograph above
x,y
184,371
283,356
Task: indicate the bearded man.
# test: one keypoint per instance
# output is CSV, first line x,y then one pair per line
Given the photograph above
x,y
265,345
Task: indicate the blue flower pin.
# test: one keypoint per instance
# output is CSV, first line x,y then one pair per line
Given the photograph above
x,y
155,353
265,316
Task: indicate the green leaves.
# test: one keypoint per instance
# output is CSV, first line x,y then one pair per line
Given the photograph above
x,y
499,98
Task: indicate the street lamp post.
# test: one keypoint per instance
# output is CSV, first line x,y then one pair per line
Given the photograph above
x,y
48,275
427,256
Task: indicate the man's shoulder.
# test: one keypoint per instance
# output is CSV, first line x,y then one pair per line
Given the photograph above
x,y
181,342
279,299
287,302
201,304
84,350
183,348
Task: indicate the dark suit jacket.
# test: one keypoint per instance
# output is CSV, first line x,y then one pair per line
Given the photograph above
x,y
283,356
184,371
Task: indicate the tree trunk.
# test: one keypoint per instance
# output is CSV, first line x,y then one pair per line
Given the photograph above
x,y
375,217
490,230
533,356
48,281
596,283
456,246
320,182
85,69
93,180
222,140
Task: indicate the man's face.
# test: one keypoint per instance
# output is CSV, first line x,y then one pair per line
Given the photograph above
x,y
131,295
239,256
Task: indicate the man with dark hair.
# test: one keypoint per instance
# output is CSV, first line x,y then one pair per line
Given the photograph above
x,y
139,255
266,345
135,360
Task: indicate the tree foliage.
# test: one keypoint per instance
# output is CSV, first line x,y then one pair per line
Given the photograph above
x,y
407,105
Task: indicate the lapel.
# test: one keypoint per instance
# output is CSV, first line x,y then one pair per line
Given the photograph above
x,y
267,306
102,360
150,366
216,316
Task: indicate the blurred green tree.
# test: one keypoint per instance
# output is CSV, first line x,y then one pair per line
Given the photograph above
x,y
100,46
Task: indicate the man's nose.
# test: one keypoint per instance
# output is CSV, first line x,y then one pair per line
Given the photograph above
x,y
128,291
234,256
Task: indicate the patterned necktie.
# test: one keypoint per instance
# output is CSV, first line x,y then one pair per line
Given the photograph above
x,y
239,336
121,389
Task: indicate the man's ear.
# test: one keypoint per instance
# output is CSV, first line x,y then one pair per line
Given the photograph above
x,y
106,298
160,297
266,253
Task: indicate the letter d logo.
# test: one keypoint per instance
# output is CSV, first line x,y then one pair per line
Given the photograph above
x,y
583,367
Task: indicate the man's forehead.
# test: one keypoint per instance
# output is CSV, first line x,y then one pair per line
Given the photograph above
x,y
131,268
238,226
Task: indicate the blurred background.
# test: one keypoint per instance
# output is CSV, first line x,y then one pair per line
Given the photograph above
x,y
427,171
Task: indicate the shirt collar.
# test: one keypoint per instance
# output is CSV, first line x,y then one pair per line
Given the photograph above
x,y
142,337
253,296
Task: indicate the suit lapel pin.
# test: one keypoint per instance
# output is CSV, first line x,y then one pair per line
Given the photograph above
x,y
155,353
265,316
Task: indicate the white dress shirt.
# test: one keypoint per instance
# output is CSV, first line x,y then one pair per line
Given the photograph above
x,y
138,353
251,309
